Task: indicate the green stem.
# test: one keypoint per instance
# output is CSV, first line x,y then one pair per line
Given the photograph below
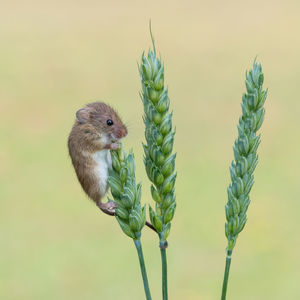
x,y
139,249
226,274
164,270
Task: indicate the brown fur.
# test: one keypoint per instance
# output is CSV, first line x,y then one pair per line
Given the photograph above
x,y
86,138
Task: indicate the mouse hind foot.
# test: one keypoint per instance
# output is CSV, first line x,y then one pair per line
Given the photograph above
x,y
108,208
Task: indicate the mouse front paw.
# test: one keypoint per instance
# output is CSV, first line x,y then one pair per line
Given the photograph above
x,y
114,146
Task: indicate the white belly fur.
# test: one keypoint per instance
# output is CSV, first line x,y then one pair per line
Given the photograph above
x,y
103,161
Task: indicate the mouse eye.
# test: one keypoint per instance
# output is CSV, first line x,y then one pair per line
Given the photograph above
x,y
109,122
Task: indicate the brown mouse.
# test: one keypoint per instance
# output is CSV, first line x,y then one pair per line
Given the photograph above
x,y
97,130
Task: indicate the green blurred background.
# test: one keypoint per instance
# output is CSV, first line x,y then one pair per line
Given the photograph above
x,y
56,56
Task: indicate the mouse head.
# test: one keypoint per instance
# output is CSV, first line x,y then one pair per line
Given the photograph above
x,y
100,123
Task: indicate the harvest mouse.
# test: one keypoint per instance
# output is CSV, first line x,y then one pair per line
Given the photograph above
x,y
97,130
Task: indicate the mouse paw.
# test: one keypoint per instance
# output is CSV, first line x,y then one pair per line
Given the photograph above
x,y
114,146
108,207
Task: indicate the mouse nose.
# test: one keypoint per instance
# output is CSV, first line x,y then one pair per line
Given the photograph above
x,y
121,133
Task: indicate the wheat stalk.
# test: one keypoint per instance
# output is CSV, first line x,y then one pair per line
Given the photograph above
x,y
245,161
127,194
159,160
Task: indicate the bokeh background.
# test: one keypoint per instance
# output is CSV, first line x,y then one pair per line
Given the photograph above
x,y
56,56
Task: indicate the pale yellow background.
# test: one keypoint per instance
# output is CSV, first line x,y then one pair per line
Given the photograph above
x,y
55,56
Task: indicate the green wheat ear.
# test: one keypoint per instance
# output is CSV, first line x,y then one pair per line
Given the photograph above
x,y
159,160
126,193
245,154
245,161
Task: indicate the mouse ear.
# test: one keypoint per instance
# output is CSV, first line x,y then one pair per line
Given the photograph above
x,y
82,115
